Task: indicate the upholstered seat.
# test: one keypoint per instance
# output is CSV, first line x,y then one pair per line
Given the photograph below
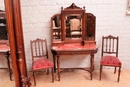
x,y
111,61
42,63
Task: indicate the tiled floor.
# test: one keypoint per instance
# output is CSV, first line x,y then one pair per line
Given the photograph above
x,y
76,78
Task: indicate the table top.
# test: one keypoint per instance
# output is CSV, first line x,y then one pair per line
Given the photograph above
x,y
75,47
4,48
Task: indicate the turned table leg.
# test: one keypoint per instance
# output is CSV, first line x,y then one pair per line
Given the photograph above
x,y
54,62
91,65
58,66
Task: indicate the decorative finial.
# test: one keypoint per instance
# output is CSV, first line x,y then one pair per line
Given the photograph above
x,y
84,7
62,8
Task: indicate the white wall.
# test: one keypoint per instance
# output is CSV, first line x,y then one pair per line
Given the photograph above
x,y
110,15
2,5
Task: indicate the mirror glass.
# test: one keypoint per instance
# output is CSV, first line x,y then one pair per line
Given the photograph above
x,y
56,27
3,24
90,29
73,27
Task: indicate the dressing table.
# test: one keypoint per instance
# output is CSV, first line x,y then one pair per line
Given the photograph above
x,y
63,43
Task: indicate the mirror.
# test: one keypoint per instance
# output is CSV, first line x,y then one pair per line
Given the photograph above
x,y
73,23
73,26
71,20
90,29
3,24
56,27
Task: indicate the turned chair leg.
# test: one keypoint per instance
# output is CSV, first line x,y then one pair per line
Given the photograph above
x,y
52,71
115,70
100,72
34,79
119,74
47,71
91,75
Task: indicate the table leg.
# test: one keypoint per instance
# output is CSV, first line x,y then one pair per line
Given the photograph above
x,y
92,62
8,63
58,66
91,65
54,62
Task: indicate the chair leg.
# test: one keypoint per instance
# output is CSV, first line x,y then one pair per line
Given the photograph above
x,y
34,79
115,70
100,72
52,71
119,74
91,75
47,71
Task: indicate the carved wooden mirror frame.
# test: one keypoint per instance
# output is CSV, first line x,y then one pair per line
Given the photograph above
x,y
85,20
71,10
14,26
88,25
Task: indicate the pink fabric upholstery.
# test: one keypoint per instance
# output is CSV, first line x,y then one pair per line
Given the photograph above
x,y
110,60
42,63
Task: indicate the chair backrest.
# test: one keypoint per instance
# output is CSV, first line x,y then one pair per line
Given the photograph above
x,y
75,24
110,45
39,48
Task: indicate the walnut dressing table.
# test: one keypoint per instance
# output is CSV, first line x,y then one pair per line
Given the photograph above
x,y
65,44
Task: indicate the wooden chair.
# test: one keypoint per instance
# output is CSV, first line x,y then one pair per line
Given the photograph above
x,y
110,54
40,59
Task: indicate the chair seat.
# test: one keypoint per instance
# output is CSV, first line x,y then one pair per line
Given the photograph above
x,y
110,61
42,63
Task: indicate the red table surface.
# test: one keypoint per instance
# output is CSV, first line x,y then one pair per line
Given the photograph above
x,y
74,46
4,48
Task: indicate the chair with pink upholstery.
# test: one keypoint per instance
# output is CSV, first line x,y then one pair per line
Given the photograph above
x,y
40,59
109,56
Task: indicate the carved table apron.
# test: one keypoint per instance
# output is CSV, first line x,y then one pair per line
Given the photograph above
x,y
73,49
